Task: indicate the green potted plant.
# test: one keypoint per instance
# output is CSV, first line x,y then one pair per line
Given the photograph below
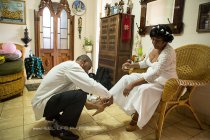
x,y
88,45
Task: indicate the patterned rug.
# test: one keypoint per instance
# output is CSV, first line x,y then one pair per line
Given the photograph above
x,y
32,87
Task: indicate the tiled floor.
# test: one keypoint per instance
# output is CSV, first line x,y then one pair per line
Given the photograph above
x,y
17,123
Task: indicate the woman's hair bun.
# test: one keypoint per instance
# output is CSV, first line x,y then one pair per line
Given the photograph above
x,y
162,31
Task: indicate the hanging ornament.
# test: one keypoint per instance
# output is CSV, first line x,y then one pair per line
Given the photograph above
x,y
26,39
80,26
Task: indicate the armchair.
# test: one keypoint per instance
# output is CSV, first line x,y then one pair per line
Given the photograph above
x,y
193,69
13,84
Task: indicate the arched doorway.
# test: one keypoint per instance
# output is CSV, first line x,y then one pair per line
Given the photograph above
x,y
54,33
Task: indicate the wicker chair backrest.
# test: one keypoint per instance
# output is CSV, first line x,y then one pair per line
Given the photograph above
x,y
193,62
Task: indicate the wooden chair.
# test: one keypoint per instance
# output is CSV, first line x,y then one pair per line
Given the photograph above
x,y
193,69
13,84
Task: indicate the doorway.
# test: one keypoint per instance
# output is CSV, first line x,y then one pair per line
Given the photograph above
x,y
54,33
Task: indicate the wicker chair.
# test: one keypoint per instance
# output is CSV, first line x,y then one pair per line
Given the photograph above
x,y
193,69
13,84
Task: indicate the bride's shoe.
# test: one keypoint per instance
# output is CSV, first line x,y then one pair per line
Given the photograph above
x,y
133,123
131,128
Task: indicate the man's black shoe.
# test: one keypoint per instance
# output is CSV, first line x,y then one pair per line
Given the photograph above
x,y
64,134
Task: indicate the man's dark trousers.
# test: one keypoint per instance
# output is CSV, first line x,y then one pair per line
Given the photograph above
x,y
66,107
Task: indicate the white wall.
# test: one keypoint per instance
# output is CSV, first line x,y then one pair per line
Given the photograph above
x,y
14,33
91,26
189,34
200,102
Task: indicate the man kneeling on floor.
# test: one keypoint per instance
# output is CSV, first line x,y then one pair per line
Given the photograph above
x,y
59,100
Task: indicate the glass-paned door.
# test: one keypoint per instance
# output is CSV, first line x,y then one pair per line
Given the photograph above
x,y
46,32
63,33
54,34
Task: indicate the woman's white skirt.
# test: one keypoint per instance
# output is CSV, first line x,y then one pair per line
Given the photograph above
x,y
144,98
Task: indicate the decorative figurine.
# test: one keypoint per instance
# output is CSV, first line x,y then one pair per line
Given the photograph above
x,y
130,7
26,38
121,9
116,10
107,9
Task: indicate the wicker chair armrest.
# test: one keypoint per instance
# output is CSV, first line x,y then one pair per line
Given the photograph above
x,y
136,70
174,87
192,82
170,89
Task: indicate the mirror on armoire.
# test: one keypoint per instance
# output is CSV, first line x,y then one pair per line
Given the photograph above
x,y
155,12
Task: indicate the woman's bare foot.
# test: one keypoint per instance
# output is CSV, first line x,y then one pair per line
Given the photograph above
x,y
100,106
96,104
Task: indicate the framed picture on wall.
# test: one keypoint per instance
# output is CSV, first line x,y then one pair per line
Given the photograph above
x,y
203,24
12,12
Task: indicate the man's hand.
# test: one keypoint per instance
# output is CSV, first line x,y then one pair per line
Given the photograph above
x,y
102,103
110,101
107,101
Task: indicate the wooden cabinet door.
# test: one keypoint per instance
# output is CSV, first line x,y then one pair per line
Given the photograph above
x,y
113,33
113,52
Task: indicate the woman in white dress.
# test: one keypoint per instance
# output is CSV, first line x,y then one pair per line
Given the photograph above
x,y
140,93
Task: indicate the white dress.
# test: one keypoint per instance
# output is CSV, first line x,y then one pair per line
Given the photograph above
x,y
145,98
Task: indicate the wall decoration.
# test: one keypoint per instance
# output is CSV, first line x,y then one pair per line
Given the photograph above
x,y
126,30
203,24
26,39
79,26
12,11
78,7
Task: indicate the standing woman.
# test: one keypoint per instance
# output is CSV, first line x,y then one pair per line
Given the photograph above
x,y
139,94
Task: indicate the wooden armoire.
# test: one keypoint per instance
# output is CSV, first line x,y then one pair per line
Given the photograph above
x,y
54,33
115,45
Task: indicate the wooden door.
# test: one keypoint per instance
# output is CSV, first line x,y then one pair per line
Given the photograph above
x,y
54,33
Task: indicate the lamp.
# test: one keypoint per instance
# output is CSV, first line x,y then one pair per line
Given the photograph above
x,y
26,38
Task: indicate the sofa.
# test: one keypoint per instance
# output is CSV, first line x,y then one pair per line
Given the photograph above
x,y
12,76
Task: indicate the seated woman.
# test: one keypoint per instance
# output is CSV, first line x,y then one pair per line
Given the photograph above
x,y
140,93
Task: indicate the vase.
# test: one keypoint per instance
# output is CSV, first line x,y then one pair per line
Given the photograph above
x,y
88,48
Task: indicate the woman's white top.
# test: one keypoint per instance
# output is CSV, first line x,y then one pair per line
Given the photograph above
x,y
161,70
